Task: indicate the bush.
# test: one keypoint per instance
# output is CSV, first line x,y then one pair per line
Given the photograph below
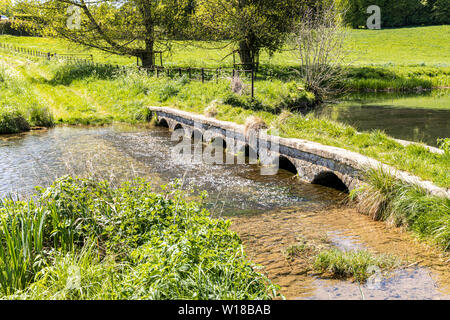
x,y
82,239
12,121
41,116
399,13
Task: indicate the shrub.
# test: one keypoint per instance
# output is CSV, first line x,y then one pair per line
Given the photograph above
x,y
12,121
41,116
82,239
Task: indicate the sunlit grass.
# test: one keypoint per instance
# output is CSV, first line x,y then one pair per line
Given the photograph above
x,y
85,239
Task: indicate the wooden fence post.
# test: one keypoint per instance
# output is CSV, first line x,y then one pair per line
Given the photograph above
x,y
253,84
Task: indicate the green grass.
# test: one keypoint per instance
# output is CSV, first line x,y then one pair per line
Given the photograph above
x,y
83,239
356,264
19,108
401,46
388,199
394,59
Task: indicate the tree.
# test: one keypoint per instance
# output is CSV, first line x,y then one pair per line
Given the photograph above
x,y
320,39
6,7
125,27
251,25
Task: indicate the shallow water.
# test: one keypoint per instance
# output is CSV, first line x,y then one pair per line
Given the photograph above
x,y
268,212
420,117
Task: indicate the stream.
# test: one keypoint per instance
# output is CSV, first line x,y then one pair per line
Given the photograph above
x,y
269,213
416,117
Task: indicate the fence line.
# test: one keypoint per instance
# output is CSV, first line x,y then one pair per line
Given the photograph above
x,y
204,74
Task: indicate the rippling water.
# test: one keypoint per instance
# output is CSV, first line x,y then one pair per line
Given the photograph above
x,y
122,152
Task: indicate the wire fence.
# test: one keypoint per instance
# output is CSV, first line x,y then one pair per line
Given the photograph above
x,y
193,73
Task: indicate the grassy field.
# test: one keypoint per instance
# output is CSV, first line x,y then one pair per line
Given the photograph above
x,y
401,47
395,59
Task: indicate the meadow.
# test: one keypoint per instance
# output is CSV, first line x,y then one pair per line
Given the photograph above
x,y
391,59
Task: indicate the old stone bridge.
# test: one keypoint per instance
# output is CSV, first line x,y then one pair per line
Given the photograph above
x,y
313,162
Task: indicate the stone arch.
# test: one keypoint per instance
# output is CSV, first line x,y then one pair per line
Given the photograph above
x,y
178,126
331,180
220,141
197,134
286,164
162,122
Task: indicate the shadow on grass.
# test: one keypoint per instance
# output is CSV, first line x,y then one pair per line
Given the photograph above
x,y
67,73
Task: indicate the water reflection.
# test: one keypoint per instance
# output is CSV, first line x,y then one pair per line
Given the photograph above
x,y
421,118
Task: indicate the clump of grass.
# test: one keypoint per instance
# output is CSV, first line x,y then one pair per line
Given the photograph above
x,y
254,124
386,198
211,110
301,248
66,73
41,116
444,144
12,121
355,264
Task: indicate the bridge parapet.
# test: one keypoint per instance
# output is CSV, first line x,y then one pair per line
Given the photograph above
x,y
314,162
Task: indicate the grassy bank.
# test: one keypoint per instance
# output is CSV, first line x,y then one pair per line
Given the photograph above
x,y
19,108
82,239
402,204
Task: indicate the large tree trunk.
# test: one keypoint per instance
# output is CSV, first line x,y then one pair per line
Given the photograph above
x,y
148,55
246,54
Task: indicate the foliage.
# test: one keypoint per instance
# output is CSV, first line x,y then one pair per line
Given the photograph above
x,y
399,13
12,121
357,264
122,27
444,144
403,204
82,239
251,25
